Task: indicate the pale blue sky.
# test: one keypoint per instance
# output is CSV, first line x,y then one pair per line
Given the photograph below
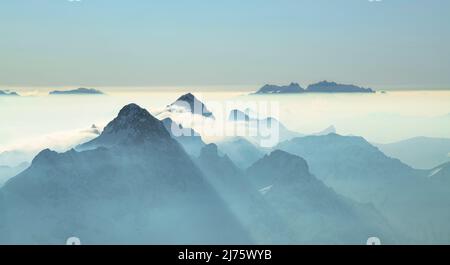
x,y
392,43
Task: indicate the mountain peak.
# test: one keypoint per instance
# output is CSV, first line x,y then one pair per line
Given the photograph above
x,y
133,124
279,167
194,105
132,110
287,164
279,156
45,155
188,97
209,150
214,163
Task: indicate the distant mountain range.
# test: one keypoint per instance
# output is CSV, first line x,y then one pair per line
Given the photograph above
x,y
139,177
8,93
419,152
409,198
78,91
274,89
7,172
14,158
321,87
313,210
242,152
263,127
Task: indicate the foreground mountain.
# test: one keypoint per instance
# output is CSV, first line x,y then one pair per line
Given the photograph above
x,y
419,152
133,184
314,213
78,91
412,202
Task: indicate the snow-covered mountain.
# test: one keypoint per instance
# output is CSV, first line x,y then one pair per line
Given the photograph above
x,y
133,184
190,104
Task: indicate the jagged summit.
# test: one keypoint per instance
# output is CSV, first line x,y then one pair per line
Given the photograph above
x,y
133,171
189,97
133,125
286,160
210,152
192,104
134,117
45,154
289,168
214,164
